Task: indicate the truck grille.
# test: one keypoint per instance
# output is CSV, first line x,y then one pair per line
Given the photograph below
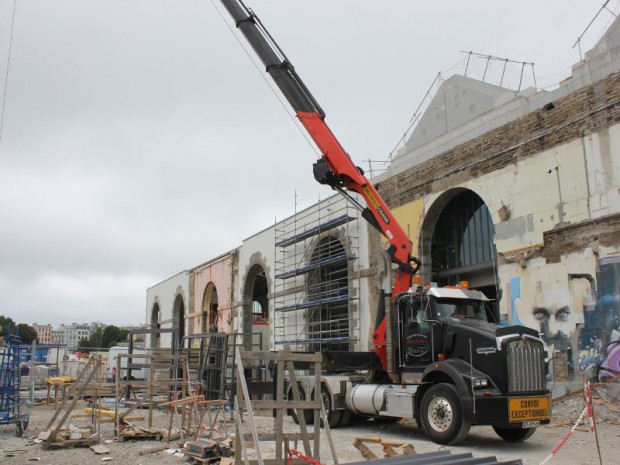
x,y
526,366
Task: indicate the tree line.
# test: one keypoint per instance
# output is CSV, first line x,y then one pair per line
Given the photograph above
x,y
99,339
103,338
26,333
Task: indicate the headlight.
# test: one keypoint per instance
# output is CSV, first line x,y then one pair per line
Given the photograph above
x,y
481,382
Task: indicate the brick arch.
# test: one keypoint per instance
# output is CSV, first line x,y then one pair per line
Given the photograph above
x,y
428,227
328,322
178,318
210,307
468,233
155,323
256,274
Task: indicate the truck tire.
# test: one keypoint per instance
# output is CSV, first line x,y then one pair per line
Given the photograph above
x,y
308,414
333,416
441,415
514,434
347,416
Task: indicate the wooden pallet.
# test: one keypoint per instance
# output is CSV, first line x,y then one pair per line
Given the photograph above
x,y
152,436
71,443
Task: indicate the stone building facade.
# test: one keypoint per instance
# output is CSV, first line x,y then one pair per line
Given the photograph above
x,y
545,168
517,193
44,333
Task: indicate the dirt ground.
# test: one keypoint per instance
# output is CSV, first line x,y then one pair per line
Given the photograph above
x,y
580,449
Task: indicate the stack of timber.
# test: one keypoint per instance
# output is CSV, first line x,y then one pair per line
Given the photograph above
x,y
132,431
55,433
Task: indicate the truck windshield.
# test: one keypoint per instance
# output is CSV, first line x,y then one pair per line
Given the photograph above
x,y
451,310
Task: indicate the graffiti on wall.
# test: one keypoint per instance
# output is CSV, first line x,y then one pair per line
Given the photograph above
x,y
576,314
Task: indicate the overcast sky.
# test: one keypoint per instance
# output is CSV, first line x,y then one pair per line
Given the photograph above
x,y
139,140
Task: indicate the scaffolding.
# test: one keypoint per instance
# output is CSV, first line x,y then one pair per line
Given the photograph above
x,y
316,288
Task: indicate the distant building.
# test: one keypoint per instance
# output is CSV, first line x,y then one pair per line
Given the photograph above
x,y
44,333
58,336
96,325
74,334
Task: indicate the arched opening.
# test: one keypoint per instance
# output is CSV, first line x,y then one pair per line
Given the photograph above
x,y
210,323
178,320
156,325
328,290
256,308
461,245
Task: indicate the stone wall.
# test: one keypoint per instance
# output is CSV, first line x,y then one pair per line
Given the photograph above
x,y
587,110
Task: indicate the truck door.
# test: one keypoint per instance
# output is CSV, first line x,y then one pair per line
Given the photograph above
x,y
416,332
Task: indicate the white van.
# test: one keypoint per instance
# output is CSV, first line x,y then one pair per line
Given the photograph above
x,y
136,373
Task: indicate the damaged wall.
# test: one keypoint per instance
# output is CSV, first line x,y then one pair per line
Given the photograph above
x,y
212,295
550,179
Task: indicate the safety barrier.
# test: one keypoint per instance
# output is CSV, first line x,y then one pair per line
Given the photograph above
x,y
587,410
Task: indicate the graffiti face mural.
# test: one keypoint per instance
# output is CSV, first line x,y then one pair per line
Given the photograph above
x,y
576,314
554,308
553,303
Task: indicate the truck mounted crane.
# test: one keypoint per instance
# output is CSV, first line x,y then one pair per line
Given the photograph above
x,y
436,356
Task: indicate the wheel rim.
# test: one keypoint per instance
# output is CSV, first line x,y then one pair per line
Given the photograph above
x,y
326,405
440,414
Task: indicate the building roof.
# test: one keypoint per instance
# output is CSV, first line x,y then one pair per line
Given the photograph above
x,y
464,108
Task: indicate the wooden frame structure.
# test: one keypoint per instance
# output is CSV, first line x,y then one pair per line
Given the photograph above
x,y
284,363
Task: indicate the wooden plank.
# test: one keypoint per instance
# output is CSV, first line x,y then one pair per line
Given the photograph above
x,y
297,398
317,421
275,356
248,405
328,432
75,398
71,391
279,424
240,435
185,400
150,450
285,404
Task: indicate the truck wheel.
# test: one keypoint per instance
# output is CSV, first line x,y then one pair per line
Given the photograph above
x,y
441,414
514,434
347,416
308,414
333,416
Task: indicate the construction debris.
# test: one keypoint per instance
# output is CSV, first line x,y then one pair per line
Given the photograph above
x,y
99,449
151,450
60,436
204,448
444,456
132,431
390,448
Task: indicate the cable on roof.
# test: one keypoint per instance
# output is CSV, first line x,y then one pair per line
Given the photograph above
x,y
312,146
8,66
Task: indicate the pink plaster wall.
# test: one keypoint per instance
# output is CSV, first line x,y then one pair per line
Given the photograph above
x,y
220,274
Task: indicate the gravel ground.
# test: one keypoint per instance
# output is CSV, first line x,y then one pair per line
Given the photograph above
x,y
580,449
